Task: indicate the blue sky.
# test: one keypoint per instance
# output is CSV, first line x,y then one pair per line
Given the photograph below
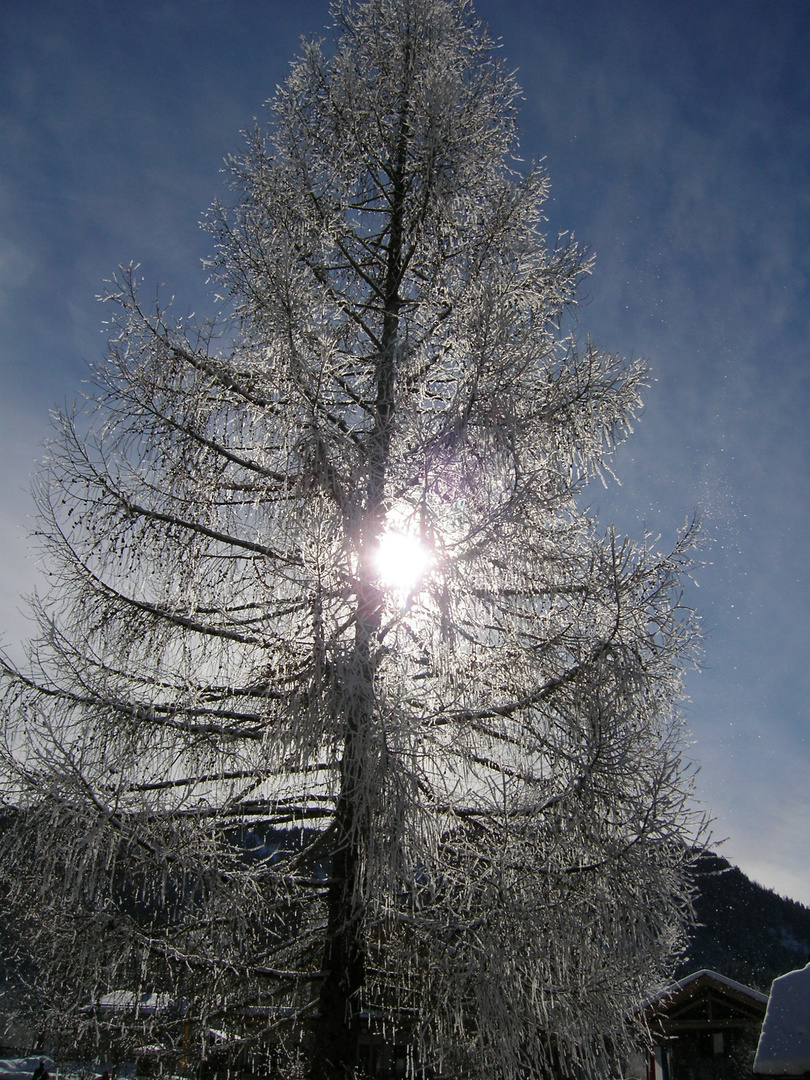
x,y
677,140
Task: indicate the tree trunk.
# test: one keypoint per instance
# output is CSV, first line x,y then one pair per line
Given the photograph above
x,y
342,990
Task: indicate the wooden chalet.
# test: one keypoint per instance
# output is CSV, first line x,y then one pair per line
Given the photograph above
x,y
704,1027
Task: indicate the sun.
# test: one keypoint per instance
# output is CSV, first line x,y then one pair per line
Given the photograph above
x,y
402,561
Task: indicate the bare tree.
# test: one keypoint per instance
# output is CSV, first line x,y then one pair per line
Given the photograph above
x,y
262,758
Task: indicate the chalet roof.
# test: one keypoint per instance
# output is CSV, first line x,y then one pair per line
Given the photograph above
x,y
704,1001
684,989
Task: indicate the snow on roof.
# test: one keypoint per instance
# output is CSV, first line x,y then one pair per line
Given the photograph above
x,y
131,1000
784,1044
711,976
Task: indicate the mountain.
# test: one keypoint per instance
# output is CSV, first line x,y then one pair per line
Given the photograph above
x,y
744,931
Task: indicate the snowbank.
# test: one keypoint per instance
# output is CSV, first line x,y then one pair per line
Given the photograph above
x,y
784,1045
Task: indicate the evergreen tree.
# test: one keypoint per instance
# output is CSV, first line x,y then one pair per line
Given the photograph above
x,y
340,705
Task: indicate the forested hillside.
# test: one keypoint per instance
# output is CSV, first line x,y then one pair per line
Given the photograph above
x,y
745,931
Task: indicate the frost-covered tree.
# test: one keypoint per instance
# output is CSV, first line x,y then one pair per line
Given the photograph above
x,y
342,714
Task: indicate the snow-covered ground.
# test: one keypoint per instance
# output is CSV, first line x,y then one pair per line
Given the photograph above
x,y
22,1068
